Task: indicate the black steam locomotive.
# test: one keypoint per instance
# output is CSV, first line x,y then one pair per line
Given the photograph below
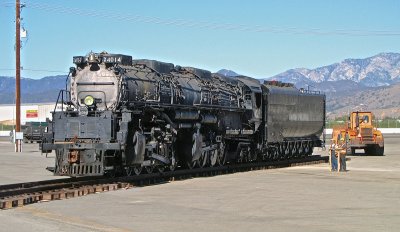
x,y
122,116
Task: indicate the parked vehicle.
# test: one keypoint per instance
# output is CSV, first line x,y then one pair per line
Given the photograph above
x,y
33,131
360,133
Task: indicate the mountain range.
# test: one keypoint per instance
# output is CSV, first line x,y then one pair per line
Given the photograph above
x,y
32,90
380,70
373,83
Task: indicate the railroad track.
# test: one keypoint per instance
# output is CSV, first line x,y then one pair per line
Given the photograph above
x,y
15,195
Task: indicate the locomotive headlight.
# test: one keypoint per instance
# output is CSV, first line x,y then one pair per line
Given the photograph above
x,y
88,101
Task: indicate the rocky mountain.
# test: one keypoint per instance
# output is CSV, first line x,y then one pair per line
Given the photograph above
x,y
380,70
384,101
32,90
372,83
228,73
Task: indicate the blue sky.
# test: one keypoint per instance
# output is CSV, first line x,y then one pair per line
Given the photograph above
x,y
259,38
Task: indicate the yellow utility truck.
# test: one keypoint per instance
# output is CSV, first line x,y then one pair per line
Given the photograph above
x,y
359,133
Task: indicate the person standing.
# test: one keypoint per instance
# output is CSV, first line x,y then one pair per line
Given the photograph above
x,y
332,157
341,154
12,136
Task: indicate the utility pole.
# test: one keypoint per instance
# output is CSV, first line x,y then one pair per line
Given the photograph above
x,y
17,74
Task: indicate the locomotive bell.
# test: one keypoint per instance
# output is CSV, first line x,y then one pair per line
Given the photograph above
x,y
92,58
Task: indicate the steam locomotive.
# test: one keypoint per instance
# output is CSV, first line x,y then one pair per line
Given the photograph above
x,y
127,116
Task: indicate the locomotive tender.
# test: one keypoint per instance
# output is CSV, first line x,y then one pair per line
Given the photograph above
x,y
122,116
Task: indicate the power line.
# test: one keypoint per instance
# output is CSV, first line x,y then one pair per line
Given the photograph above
x,y
204,25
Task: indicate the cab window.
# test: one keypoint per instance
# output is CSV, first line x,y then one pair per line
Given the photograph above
x,y
258,99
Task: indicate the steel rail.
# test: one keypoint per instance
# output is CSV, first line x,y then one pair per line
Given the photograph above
x,y
18,194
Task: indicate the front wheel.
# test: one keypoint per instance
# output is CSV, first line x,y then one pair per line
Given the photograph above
x,y
381,151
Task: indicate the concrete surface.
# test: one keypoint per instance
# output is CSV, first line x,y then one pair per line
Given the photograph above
x,y
29,165
306,198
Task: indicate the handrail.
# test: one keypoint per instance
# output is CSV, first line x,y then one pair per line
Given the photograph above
x,y
61,94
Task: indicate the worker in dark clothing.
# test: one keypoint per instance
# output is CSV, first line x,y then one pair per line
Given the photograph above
x,y
342,150
332,157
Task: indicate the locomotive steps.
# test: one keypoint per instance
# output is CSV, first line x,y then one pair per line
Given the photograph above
x,y
16,195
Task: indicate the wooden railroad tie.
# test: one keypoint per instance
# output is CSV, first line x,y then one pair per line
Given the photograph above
x,y
60,194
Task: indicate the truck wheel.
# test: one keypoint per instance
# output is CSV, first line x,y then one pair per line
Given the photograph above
x,y
379,150
369,151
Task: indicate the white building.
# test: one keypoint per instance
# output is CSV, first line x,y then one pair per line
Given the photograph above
x,y
30,112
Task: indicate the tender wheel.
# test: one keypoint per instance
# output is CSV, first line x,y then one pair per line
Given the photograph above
x,y
300,151
280,153
268,156
276,155
286,152
294,150
309,149
306,150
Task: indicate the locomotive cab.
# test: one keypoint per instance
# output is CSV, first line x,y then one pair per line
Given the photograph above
x,y
252,98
